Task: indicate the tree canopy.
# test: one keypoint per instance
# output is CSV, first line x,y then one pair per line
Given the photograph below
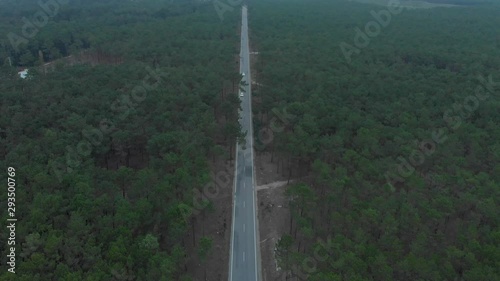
x,y
394,202
113,142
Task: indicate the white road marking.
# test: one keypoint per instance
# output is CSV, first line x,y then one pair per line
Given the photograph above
x,y
243,256
243,227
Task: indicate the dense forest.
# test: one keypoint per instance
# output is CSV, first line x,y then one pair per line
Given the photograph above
x,y
391,136
393,147
112,149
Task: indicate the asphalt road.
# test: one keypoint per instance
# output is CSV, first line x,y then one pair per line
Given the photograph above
x,y
244,255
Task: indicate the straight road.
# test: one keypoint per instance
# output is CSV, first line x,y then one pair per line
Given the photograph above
x,y
244,259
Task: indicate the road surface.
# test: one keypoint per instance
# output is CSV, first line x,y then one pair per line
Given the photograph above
x,y
244,255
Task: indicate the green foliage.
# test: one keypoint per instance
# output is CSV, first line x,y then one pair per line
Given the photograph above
x,y
339,126
107,171
204,247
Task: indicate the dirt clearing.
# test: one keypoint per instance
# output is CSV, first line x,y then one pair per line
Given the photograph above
x,y
274,215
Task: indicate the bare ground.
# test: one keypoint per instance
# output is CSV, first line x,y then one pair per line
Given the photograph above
x,y
272,206
215,224
274,215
